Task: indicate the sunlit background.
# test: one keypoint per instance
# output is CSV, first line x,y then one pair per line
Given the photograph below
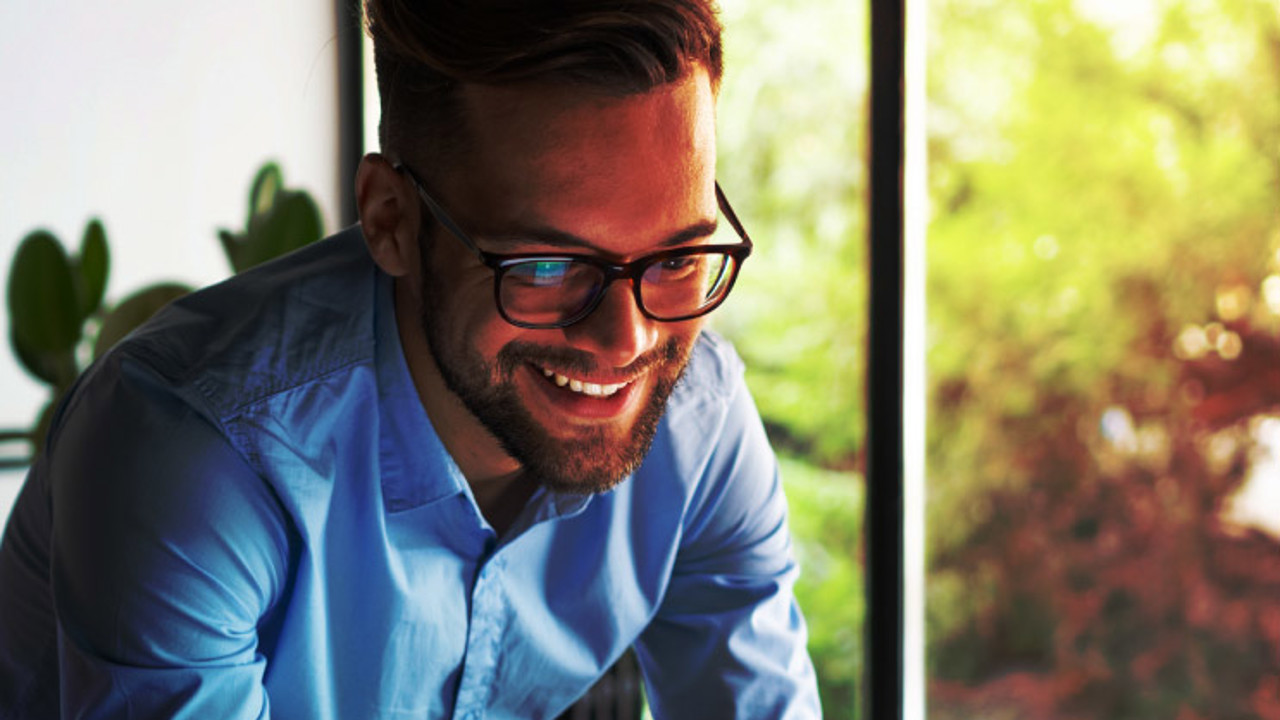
x,y
792,137
1104,359
1100,348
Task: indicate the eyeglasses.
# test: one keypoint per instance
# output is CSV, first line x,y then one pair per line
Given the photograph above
x,y
557,290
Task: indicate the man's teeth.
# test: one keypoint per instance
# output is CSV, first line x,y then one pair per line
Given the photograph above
x,y
592,389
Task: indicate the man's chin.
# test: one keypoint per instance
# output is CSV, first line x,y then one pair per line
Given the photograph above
x,y
576,454
569,441
565,441
591,461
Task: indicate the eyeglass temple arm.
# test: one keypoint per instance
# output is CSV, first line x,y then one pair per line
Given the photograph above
x,y
730,215
438,212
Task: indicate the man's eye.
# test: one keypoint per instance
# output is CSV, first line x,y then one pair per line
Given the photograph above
x,y
542,272
680,263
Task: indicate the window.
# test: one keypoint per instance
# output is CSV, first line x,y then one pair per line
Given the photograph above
x,y
1103,331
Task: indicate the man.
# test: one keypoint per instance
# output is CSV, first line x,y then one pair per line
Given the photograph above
x,y
454,461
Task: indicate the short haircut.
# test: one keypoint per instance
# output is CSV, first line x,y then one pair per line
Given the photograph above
x,y
425,49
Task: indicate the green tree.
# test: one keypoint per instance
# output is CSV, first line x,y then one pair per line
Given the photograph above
x,y
1104,230
791,127
791,137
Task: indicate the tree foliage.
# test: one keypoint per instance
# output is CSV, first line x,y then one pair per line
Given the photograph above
x,y
1103,348
1104,339
791,135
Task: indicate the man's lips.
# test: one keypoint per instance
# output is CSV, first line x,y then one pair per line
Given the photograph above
x,y
585,386
587,402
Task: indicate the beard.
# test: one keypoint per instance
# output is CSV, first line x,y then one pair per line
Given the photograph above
x,y
594,459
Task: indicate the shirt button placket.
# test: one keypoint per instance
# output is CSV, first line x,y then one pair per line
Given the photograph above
x,y
487,621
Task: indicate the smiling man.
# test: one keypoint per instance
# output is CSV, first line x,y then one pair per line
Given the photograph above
x,y
451,462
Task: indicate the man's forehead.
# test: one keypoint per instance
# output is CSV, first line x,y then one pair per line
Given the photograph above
x,y
538,120
534,143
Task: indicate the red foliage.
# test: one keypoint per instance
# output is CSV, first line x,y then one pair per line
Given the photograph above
x,y
1120,591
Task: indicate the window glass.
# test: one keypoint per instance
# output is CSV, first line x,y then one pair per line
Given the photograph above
x,y
792,161
1103,349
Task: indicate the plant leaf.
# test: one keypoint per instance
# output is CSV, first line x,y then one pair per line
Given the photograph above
x,y
54,367
233,245
292,223
94,264
266,184
133,311
43,312
280,220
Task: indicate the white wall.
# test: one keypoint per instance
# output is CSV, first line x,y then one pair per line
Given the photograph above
x,y
154,116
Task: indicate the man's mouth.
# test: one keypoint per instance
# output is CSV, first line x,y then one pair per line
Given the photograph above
x,y
583,387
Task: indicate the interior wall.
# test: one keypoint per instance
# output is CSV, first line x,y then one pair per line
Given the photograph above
x,y
154,116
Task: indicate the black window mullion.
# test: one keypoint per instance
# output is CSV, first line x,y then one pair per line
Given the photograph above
x,y
349,29
884,442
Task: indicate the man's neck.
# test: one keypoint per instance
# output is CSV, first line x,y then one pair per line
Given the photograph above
x,y
502,499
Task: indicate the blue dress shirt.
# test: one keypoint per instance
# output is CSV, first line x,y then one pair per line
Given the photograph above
x,y
244,512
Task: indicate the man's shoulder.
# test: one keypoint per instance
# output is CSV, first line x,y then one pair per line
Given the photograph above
x,y
702,401
713,376
275,326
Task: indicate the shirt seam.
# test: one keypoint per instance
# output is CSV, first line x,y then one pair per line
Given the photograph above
x,y
208,390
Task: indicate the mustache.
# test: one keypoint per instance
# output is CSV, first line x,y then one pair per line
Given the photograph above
x,y
520,352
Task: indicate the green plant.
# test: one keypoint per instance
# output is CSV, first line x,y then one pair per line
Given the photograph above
x,y
52,296
59,322
279,221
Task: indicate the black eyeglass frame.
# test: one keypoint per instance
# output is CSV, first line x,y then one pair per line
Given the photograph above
x,y
633,271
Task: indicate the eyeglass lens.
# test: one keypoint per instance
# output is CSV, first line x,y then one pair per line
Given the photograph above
x,y
547,292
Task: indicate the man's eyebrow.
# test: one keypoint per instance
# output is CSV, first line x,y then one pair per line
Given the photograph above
x,y
499,241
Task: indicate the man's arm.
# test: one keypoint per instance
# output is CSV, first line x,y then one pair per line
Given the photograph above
x,y
728,640
167,550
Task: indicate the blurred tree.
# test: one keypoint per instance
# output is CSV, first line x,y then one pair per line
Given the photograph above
x,y
826,520
791,147
791,136
1105,192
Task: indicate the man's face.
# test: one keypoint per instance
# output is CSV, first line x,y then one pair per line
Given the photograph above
x,y
552,169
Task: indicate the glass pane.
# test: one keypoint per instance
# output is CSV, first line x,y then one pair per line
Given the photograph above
x,y
547,291
792,154
684,284
1104,343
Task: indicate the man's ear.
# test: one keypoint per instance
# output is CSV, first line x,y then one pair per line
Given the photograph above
x,y
388,215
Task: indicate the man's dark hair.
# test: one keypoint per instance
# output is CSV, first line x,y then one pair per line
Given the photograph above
x,y
425,49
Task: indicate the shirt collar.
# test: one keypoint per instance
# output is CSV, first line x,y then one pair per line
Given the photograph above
x,y
416,468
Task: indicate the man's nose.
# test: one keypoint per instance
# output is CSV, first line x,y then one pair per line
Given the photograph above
x,y
616,332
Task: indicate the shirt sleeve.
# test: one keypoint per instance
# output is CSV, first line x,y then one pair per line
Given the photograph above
x,y
728,640
167,552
